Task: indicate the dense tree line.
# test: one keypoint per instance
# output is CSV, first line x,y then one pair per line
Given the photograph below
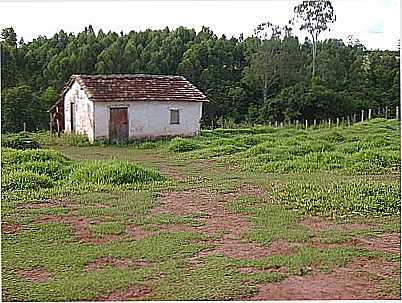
x,y
257,79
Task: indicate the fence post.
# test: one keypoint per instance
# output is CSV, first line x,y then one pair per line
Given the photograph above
x,y
369,114
306,124
362,115
276,123
379,112
25,127
337,121
281,125
329,122
397,113
297,123
348,120
354,118
386,112
315,122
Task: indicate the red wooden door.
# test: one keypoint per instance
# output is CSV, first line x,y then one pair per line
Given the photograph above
x,y
118,125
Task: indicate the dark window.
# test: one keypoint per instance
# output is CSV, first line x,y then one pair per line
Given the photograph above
x,y
174,116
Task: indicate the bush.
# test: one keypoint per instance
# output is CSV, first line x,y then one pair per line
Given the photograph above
x,y
18,141
18,180
113,172
180,145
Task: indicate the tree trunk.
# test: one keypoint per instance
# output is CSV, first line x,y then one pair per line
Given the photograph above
x,y
314,56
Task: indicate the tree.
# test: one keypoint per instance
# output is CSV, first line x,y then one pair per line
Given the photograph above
x,y
267,57
314,17
20,105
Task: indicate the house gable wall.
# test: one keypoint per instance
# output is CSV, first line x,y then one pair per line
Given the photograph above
x,y
83,111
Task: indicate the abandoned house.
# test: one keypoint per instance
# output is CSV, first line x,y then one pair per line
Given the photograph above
x,y
122,107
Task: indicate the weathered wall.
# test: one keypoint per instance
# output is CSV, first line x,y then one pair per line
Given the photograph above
x,y
84,112
151,119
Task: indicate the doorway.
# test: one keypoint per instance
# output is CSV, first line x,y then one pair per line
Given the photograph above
x,y
118,125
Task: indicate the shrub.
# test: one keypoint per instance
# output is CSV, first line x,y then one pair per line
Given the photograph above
x,y
18,141
180,145
18,180
113,172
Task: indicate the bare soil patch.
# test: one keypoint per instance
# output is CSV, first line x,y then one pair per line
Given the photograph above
x,y
10,228
319,224
36,275
389,242
47,204
348,283
133,292
136,232
220,222
80,226
99,263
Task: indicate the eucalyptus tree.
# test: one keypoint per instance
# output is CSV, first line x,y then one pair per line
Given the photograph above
x,y
315,18
268,55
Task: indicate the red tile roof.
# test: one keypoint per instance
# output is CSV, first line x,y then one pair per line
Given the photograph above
x,y
138,87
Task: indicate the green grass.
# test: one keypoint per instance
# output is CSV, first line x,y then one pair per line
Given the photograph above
x,y
349,174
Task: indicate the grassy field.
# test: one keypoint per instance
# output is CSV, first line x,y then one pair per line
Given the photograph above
x,y
262,213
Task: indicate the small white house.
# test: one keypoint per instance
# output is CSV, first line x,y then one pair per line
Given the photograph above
x,y
122,107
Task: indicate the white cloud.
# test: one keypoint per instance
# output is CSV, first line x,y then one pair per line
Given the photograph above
x,y
357,17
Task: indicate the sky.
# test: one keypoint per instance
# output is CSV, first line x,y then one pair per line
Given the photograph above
x,y
376,23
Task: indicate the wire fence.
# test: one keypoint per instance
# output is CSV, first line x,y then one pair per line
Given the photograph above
x,y
363,115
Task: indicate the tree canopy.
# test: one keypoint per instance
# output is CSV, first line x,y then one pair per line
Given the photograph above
x,y
258,79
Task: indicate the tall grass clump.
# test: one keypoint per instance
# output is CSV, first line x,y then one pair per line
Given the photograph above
x,y
19,141
180,145
113,172
341,199
22,180
13,156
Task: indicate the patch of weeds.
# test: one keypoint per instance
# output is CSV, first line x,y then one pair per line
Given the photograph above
x,y
180,145
271,222
341,199
107,228
113,172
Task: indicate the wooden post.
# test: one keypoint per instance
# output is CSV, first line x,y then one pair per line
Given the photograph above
x,y
306,124
281,124
362,115
25,127
276,123
297,123
397,113
329,122
386,112
379,112
348,120
337,121
343,120
315,122
354,118
369,114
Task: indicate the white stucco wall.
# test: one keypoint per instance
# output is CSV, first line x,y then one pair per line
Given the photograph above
x,y
84,112
150,119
